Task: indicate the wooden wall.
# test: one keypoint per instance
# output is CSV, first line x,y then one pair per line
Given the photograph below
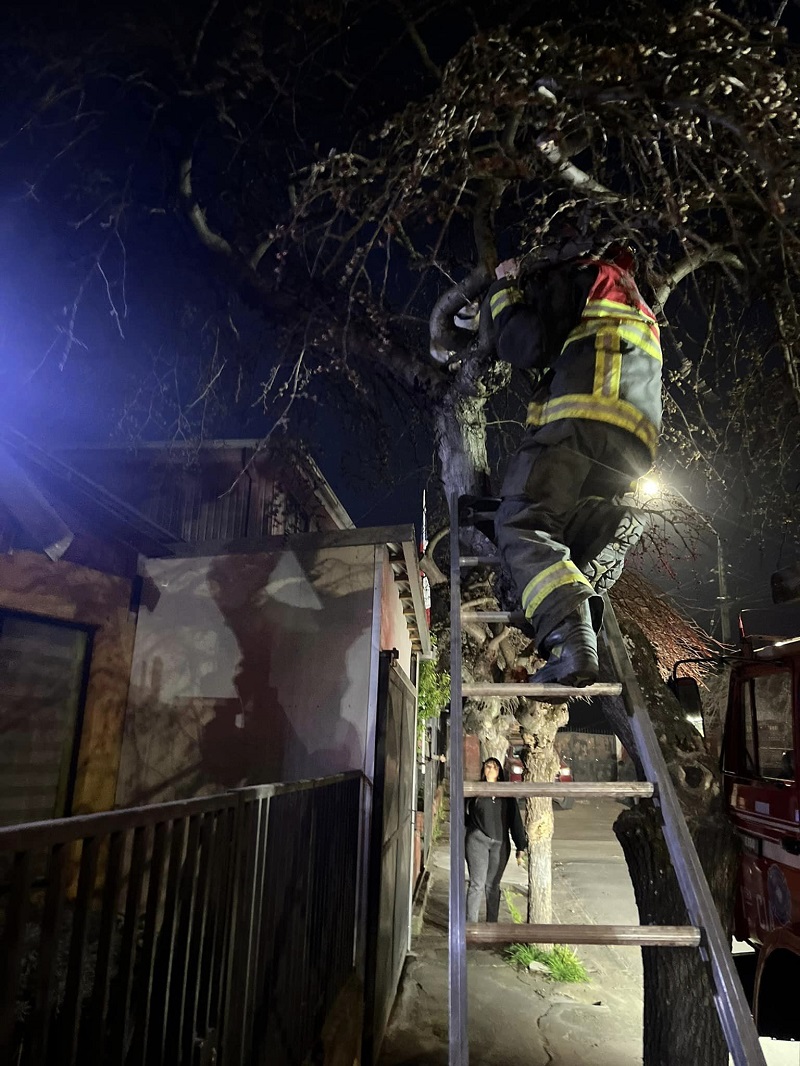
x,y
33,584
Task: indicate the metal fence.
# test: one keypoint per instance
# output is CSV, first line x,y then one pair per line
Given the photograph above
x,y
217,930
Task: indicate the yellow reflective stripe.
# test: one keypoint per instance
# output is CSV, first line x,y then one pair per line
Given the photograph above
x,y
503,299
639,334
612,309
553,577
614,412
607,363
601,349
641,337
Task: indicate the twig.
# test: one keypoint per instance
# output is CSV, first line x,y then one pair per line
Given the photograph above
x,y
114,312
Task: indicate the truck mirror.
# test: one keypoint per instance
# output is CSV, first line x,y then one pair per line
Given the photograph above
x,y
785,584
687,692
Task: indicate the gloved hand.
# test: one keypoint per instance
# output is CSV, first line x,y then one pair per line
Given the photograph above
x,y
509,268
469,317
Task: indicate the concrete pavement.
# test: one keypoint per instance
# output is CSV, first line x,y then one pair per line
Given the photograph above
x,y
516,1017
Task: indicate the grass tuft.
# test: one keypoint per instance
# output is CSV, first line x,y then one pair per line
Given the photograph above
x,y
562,962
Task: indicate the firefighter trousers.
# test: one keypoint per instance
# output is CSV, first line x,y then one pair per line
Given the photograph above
x,y
559,492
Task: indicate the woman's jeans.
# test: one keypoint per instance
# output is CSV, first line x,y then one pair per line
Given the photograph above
x,y
486,861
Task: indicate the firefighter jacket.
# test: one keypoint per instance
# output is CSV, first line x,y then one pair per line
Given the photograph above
x,y
595,342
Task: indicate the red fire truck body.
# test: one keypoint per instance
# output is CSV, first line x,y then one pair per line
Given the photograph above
x,y
760,752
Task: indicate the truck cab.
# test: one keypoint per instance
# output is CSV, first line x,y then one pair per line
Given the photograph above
x,y
760,757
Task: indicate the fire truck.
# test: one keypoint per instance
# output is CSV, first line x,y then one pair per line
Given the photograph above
x,y
759,760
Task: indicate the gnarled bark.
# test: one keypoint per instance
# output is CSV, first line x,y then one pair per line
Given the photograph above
x,y
679,1014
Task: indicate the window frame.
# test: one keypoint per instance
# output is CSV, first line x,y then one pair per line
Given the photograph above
x,y
68,769
736,762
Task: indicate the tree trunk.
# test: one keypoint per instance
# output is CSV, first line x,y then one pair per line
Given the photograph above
x,y
679,1014
461,444
539,827
539,723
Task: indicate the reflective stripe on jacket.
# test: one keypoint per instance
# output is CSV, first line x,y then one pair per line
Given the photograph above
x,y
609,369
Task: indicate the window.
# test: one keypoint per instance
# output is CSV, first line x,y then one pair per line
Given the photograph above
x,y
768,729
42,675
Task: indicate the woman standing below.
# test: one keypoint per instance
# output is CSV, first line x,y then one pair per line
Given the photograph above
x,y
489,820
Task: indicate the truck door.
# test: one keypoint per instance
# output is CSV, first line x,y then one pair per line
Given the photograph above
x,y
759,764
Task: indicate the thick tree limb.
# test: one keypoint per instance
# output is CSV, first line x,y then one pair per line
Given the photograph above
x,y
197,216
715,253
446,340
428,565
573,175
398,361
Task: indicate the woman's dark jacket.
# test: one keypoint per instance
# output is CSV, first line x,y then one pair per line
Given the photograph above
x,y
496,816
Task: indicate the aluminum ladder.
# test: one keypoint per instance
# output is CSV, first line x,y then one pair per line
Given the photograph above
x,y
705,933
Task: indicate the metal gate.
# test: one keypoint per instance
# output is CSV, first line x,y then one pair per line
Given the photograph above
x,y
220,929
391,853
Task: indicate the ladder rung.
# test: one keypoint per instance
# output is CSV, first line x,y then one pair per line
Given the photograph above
x,y
557,789
509,617
657,936
525,690
478,560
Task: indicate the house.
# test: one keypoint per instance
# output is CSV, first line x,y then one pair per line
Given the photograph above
x,y
177,627
220,490
191,643
68,558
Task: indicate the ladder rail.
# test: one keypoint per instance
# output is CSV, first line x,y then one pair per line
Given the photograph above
x,y
457,941
729,998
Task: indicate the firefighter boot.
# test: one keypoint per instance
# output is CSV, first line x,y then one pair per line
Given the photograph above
x,y
571,651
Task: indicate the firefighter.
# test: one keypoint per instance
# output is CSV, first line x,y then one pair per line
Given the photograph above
x,y
583,328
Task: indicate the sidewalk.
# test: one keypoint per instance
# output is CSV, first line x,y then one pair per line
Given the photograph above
x,y
521,1018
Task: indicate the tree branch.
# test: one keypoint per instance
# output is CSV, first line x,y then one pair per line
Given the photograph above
x,y
419,44
428,565
446,339
715,253
197,216
573,175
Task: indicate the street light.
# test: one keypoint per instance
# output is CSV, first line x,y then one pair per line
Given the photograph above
x,y
648,487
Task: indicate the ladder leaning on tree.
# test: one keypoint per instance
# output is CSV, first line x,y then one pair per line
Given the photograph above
x,y
704,934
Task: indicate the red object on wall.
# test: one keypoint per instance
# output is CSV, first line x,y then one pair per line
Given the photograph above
x,y
472,757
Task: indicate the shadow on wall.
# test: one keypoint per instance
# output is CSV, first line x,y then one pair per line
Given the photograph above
x,y
262,687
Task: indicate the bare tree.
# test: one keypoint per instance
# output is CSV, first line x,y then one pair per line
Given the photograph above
x,y
351,172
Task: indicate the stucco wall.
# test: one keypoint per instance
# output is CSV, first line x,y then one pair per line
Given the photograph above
x,y
34,584
249,668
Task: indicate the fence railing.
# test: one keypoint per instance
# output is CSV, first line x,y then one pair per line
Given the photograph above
x,y
216,930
